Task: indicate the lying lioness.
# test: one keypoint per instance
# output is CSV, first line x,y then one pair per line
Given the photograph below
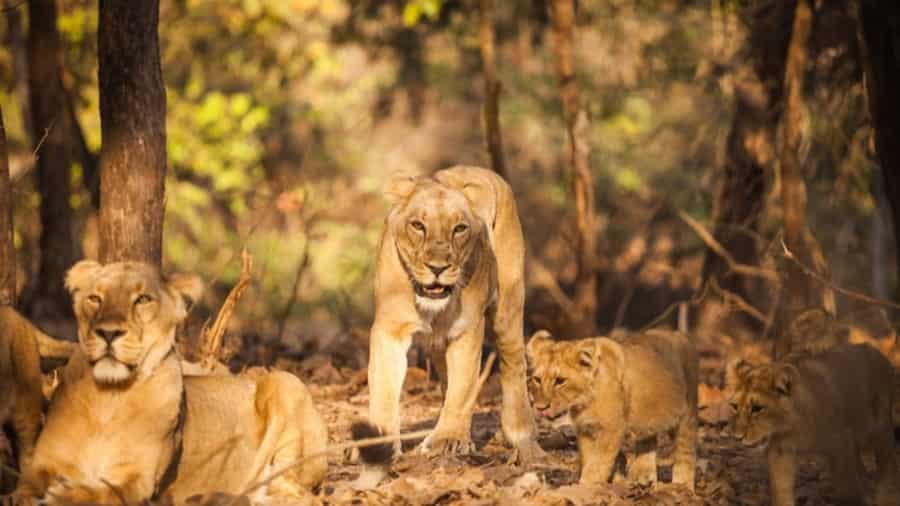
x,y
126,425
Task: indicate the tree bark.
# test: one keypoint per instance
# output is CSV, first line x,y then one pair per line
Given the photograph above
x,y
802,291
879,34
492,87
582,184
52,135
7,248
132,122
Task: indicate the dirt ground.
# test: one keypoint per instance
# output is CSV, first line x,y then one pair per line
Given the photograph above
x,y
728,474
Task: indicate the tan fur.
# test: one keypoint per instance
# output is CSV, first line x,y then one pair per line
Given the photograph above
x,y
462,220
112,424
637,388
21,398
832,404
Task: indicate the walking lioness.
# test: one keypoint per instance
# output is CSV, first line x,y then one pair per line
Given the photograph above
x,y
450,263
126,426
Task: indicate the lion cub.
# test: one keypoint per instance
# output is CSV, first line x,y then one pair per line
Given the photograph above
x,y
833,403
639,388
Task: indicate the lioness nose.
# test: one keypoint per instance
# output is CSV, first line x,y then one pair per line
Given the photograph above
x,y
109,335
437,269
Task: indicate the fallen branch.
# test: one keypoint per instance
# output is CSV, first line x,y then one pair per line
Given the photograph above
x,y
211,337
830,284
717,248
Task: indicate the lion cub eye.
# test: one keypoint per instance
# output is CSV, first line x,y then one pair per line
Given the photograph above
x,y
459,229
417,225
756,409
142,299
94,299
734,407
559,381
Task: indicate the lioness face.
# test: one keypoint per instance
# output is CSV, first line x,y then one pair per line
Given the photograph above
x,y
562,375
761,402
435,230
127,314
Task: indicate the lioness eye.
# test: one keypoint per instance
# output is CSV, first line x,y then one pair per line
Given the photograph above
x,y
756,408
418,226
536,380
559,381
143,299
462,227
94,299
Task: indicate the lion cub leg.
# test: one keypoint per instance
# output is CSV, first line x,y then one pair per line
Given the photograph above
x,y
597,451
782,460
642,464
685,454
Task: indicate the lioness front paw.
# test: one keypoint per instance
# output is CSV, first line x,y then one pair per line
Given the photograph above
x,y
455,445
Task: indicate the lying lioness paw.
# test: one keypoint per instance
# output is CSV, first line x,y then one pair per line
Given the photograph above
x,y
450,263
126,424
638,389
833,404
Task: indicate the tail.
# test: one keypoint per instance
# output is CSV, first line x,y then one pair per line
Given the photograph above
x,y
380,453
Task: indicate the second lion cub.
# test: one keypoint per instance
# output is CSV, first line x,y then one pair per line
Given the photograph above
x,y
638,388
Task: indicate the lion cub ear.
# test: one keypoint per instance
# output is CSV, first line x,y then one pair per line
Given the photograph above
x,y
81,275
399,187
539,341
610,355
784,379
187,287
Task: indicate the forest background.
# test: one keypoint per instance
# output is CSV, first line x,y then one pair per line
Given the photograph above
x,y
696,122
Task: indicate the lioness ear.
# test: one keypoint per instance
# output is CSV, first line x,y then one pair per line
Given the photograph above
x,y
399,187
186,286
477,188
784,379
539,340
81,274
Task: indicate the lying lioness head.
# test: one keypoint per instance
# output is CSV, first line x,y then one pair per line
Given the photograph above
x,y
436,232
127,313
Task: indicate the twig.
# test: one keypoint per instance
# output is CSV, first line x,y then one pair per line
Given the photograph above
x,y
488,364
740,302
298,277
830,284
211,337
717,248
542,276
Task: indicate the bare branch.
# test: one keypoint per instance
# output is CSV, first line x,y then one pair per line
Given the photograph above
x,y
545,279
211,337
733,265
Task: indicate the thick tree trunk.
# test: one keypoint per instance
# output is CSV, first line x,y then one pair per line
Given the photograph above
x,y
582,184
802,290
52,132
879,33
7,248
491,114
132,120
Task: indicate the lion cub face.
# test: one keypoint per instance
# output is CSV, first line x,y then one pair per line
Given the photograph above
x,y
761,402
562,374
127,314
435,230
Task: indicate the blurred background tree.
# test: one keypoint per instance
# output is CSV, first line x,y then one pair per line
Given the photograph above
x,y
284,117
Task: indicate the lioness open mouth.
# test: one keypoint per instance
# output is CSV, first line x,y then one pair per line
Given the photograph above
x,y
433,291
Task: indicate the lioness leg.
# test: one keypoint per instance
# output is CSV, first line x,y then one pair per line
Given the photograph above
x,y
387,370
642,464
516,417
685,454
782,462
463,361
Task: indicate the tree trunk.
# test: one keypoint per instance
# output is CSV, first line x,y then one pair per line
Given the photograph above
x,y
52,134
879,33
492,136
133,127
7,248
582,184
802,290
